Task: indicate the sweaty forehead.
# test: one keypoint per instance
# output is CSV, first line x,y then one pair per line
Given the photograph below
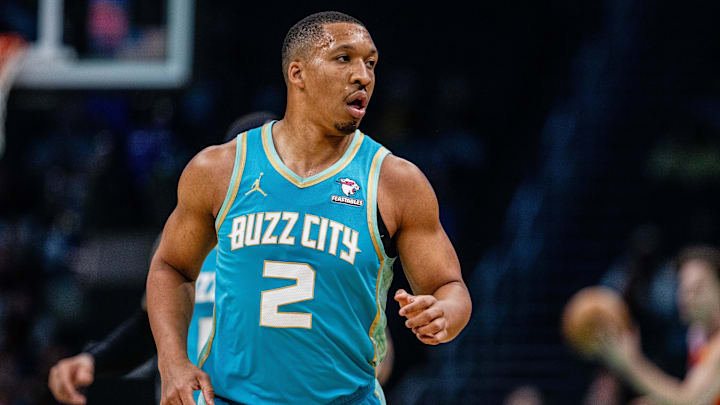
x,y
345,34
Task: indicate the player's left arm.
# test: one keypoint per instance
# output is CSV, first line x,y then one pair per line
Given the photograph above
x,y
440,305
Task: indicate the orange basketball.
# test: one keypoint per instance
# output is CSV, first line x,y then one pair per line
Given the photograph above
x,y
590,311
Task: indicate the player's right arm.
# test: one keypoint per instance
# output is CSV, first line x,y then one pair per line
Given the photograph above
x,y
188,237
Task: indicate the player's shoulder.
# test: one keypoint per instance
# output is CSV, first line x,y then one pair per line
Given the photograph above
x,y
212,160
405,195
208,173
400,174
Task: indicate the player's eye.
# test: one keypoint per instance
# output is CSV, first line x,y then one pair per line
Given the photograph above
x,y
343,58
370,63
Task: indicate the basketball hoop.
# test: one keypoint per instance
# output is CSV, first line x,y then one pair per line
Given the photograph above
x,y
12,50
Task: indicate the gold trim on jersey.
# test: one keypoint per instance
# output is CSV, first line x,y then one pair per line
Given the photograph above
x,y
313,180
238,168
211,338
372,196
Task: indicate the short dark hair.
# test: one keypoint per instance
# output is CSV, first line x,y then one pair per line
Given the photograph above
x,y
705,253
308,30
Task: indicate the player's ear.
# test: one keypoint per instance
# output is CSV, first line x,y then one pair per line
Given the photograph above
x,y
296,74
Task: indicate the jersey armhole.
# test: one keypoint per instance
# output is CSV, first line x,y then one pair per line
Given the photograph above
x,y
240,152
387,241
384,273
373,211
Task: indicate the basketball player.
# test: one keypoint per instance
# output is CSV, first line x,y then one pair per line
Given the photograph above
x,y
699,305
303,269
131,344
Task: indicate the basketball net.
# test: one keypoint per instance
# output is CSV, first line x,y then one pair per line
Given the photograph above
x,y
12,51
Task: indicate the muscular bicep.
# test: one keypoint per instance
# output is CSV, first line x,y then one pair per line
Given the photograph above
x,y
186,241
189,232
426,253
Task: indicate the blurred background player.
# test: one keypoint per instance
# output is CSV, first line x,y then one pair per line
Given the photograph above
x,y
699,305
646,279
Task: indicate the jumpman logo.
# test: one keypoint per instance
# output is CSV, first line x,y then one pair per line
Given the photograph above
x,y
256,186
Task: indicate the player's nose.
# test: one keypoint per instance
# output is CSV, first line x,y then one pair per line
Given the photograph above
x,y
361,74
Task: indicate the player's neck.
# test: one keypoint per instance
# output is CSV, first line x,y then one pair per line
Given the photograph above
x,y
307,149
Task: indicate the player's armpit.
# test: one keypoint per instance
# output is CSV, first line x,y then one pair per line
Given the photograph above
x,y
410,210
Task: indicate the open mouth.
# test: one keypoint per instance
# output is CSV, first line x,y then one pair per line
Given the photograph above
x,y
356,104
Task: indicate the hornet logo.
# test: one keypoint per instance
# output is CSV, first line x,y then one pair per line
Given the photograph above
x,y
349,187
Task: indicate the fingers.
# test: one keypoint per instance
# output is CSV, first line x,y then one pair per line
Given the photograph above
x,y
433,339
402,297
437,325
181,396
207,389
83,378
186,396
420,303
55,385
84,366
61,384
425,317
178,389
81,373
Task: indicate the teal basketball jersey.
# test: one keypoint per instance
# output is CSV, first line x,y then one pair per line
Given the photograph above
x,y
201,322
301,278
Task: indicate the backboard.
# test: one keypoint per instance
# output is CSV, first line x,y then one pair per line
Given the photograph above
x,y
109,44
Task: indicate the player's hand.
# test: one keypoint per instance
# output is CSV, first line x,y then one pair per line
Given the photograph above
x,y
425,316
180,380
68,375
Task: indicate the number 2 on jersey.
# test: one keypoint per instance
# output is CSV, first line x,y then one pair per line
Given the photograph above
x,y
303,290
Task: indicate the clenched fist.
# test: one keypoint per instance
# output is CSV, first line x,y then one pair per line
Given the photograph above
x,y
425,317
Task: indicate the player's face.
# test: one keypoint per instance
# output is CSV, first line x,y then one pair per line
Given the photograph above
x,y
699,291
341,75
